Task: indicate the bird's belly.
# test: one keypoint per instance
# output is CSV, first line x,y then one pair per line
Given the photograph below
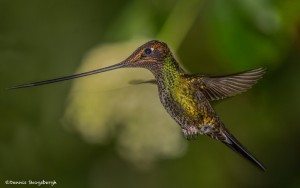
x,y
182,109
193,116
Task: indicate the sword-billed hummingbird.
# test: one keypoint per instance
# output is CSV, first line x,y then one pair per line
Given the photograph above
x,y
185,97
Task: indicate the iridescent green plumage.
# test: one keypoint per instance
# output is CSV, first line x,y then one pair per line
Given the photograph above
x,y
185,97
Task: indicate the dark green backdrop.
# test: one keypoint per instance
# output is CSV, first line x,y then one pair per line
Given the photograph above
x,y
42,39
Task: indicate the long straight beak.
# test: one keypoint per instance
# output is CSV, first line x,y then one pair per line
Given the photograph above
x,y
116,66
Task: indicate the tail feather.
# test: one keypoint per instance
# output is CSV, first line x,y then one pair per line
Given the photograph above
x,y
236,146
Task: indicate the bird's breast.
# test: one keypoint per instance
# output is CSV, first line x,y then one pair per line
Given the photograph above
x,y
180,102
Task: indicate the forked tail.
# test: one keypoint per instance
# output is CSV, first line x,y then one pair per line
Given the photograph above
x,y
236,146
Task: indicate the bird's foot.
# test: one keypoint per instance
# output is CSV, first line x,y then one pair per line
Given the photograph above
x,y
190,132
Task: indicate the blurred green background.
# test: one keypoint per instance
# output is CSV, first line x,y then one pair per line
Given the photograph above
x,y
70,133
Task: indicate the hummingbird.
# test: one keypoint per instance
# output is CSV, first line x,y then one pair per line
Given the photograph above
x,y
185,97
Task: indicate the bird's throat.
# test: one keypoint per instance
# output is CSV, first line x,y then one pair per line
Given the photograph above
x,y
171,74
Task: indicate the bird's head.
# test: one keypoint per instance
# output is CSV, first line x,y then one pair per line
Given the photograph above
x,y
150,54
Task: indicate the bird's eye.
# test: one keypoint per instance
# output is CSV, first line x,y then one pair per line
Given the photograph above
x,y
148,51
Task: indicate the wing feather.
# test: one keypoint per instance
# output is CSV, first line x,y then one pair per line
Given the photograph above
x,y
219,87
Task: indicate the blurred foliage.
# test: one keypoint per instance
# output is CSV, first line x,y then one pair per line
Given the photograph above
x,y
84,135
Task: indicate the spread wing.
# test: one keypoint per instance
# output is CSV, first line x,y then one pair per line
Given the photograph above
x,y
219,87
